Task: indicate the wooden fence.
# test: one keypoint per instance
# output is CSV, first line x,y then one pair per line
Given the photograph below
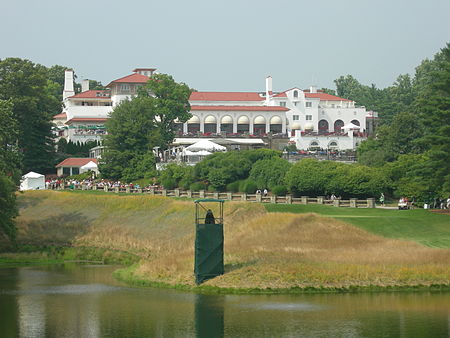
x,y
229,196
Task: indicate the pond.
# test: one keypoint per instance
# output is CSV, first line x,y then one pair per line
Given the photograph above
x,y
85,301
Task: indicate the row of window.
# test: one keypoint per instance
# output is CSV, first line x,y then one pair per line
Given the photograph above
x,y
308,104
297,117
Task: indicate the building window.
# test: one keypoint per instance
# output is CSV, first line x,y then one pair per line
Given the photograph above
x,y
308,104
295,93
354,113
295,117
75,170
66,171
283,104
296,103
125,87
308,117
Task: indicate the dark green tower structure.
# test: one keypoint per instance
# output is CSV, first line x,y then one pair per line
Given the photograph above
x,y
208,239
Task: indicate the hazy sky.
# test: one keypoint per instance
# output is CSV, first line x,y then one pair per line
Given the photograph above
x,y
229,45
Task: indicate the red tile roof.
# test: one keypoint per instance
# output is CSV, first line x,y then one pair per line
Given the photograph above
x,y
76,162
240,108
133,78
92,94
283,94
87,119
324,97
60,116
225,96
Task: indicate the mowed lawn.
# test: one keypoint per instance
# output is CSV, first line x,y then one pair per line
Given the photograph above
x,y
419,225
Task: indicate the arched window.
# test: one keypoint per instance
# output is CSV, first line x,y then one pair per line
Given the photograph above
x,y
323,127
295,93
338,126
356,122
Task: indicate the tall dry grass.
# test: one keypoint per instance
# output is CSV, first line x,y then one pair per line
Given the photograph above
x,y
262,250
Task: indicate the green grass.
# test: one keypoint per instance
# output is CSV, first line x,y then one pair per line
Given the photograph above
x,y
422,226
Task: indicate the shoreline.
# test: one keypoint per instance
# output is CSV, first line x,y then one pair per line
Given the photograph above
x,y
126,275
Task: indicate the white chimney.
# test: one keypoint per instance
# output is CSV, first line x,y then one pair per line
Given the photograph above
x,y
68,84
268,86
84,85
268,90
313,89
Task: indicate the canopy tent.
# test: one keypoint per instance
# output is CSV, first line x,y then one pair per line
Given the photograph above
x,y
350,126
90,166
32,181
206,145
196,153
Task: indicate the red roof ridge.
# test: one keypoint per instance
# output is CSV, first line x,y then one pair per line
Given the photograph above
x,y
132,78
76,161
237,108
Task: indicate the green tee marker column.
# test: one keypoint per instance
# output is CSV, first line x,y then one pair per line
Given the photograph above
x,y
208,239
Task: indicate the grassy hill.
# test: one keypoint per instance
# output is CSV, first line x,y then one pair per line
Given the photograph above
x,y
277,250
418,225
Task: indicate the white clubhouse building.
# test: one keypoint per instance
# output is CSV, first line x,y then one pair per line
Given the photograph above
x,y
310,118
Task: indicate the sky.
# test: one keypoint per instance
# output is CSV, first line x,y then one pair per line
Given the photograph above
x,y
230,45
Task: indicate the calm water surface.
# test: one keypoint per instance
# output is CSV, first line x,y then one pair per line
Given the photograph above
x,y
85,301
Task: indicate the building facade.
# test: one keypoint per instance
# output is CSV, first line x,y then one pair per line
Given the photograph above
x,y
294,113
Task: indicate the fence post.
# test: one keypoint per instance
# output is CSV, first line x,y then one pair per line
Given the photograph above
x,y
258,198
152,191
177,192
337,203
216,195
353,203
320,199
94,187
189,193
139,190
244,196
273,199
127,189
304,199
229,196
116,190
105,188
202,193
288,199
371,202
164,192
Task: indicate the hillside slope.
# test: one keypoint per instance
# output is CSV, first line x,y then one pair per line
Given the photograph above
x,y
262,250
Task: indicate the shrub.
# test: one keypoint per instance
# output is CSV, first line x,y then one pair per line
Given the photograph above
x,y
197,186
248,186
268,173
279,190
234,186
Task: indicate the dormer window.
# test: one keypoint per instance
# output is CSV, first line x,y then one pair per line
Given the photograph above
x,y
295,93
125,87
308,104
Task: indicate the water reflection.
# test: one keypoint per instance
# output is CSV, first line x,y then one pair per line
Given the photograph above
x,y
209,316
81,301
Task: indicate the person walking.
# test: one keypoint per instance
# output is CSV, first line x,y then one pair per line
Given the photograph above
x,y
382,199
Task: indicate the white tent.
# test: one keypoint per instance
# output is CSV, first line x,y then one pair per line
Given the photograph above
x,y
350,126
206,145
196,153
89,166
32,181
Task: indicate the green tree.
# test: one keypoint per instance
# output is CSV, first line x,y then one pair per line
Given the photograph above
x,y
137,126
9,153
26,85
132,134
8,208
9,169
171,104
